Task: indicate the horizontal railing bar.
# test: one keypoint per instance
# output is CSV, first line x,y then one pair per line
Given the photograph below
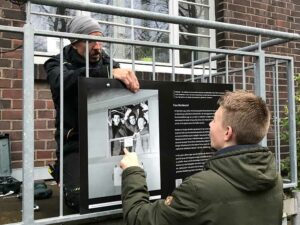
x,y
133,13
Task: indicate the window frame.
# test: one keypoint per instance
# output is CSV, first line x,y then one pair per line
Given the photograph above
x,y
174,38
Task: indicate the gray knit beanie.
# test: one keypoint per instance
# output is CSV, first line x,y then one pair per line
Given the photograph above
x,y
82,25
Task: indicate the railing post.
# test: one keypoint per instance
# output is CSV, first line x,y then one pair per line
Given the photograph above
x,y
28,125
260,81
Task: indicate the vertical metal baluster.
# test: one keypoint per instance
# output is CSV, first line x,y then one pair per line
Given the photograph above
x,y
193,66
227,70
61,127
153,64
210,75
87,59
244,73
173,65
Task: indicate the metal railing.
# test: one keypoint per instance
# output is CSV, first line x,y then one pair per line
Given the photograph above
x,y
253,77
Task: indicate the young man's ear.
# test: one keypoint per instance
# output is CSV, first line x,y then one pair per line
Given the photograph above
x,y
228,134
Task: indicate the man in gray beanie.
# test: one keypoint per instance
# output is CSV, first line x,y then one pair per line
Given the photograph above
x,y
74,67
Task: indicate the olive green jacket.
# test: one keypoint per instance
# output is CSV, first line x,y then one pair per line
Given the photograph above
x,y
240,186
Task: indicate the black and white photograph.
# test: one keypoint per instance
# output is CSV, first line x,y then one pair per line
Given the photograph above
x,y
129,128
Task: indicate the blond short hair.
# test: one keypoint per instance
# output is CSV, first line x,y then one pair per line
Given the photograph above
x,y
247,114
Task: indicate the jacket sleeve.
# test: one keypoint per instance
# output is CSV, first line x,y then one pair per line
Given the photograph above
x,y
138,210
52,68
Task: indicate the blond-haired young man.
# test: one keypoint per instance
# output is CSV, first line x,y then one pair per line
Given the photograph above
x,y
239,186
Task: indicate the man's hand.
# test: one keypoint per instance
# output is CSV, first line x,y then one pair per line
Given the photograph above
x,y
129,159
128,77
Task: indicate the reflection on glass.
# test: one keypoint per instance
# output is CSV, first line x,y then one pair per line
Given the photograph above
x,y
185,56
193,11
160,6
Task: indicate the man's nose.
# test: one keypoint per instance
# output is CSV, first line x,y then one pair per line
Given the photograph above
x,y
97,45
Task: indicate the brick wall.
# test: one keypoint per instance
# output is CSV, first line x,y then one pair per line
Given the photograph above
x,y
269,14
11,94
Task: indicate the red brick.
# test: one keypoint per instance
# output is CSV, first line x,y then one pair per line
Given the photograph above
x,y
51,124
5,83
6,44
13,14
44,154
259,5
12,55
17,104
16,146
15,156
44,94
51,144
237,8
284,11
50,104
45,114
45,135
16,164
12,115
40,104
237,36
17,64
39,163
17,83
13,74
39,144
281,23
259,19
279,16
17,125
6,4
40,124
5,104
15,135
12,93
4,125
17,43
5,63
244,2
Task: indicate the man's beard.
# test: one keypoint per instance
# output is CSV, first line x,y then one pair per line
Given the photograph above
x,y
95,56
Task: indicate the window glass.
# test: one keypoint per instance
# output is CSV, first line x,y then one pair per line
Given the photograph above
x,y
201,36
185,56
42,21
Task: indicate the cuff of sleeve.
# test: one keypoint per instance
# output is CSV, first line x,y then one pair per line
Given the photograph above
x,y
132,170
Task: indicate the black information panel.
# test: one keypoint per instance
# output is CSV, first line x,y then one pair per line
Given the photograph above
x,y
165,123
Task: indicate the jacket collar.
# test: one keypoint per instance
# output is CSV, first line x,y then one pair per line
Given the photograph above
x,y
235,148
